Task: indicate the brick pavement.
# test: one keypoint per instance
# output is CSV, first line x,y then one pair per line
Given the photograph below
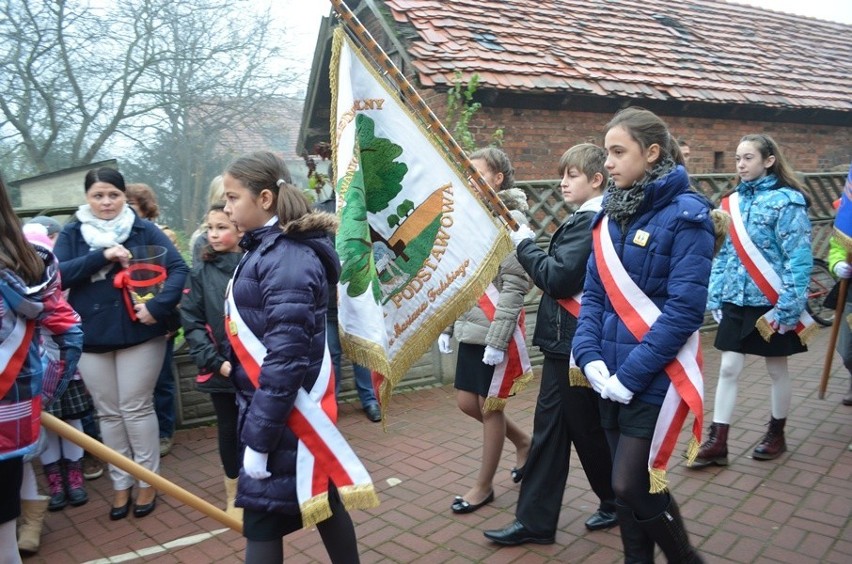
x,y
795,509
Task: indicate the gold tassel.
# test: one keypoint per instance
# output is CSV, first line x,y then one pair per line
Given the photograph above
x,y
808,333
765,330
692,448
577,378
521,383
659,483
359,496
315,510
493,403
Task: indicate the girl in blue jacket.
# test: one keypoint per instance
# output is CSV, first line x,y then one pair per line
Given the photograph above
x,y
774,213
663,236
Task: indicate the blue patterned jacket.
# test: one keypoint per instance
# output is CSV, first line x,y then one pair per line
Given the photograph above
x,y
776,218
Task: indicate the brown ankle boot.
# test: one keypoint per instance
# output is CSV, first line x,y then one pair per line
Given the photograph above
x,y
715,449
773,444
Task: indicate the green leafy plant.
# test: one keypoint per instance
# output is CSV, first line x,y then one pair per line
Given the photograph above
x,y
461,108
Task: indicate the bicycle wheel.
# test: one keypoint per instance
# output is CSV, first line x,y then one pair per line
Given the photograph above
x,y
820,285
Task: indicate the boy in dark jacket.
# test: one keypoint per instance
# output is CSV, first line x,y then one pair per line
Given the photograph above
x,y
566,411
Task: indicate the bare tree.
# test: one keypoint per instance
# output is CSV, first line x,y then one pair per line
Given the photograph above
x,y
144,79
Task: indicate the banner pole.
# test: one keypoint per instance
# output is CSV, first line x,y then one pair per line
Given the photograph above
x,y
419,105
106,454
835,330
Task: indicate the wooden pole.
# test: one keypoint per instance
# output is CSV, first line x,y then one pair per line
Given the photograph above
x,y
106,454
419,106
835,330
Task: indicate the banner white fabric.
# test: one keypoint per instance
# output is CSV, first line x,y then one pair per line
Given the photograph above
x,y
417,245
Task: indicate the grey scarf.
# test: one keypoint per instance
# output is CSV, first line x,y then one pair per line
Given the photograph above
x,y
621,205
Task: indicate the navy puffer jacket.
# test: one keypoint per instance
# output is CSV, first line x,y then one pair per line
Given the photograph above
x,y
672,268
89,277
281,290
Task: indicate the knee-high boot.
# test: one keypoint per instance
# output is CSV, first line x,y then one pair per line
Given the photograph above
x,y
668,531
638,546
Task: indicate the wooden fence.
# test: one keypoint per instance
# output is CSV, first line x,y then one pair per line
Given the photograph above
x,y
547,210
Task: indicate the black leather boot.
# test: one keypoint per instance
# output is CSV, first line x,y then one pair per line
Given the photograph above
x,y
638,547
773,443
668,531
715,449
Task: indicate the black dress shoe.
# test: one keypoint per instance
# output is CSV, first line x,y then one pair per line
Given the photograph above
x,y
518,473
373,412
116,513
461,506
601,520
516,534
142,510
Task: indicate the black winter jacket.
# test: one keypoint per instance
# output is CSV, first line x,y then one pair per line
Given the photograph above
x,y
106,323
203,307
281,291
559,273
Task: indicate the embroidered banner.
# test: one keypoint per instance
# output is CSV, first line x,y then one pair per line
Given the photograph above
x,y
843,219
417,245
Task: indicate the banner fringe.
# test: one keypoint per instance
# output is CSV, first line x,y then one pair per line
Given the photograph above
x,y
372,355
577,378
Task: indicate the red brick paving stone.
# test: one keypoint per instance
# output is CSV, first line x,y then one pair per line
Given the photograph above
x,y
775,521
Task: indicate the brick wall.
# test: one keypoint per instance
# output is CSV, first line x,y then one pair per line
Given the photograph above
x,y
536,138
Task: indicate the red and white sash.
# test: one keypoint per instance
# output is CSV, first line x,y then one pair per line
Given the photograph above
x,y
762,272
686,391
515,372
575,373
323,453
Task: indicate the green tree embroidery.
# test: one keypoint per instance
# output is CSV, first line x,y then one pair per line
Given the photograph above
x,y
379,172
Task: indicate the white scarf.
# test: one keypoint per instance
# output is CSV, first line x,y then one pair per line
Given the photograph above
x,y
105,233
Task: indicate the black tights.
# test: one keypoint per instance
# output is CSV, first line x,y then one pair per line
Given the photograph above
x,y
630,479
338,536
225,407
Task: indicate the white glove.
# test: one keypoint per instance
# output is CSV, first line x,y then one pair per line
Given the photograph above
x,y
615,391
843,269
254,464
444,344
492,356
717,315
597,374
523,232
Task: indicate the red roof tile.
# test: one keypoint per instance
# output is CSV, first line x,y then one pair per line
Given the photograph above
x,y
698,50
